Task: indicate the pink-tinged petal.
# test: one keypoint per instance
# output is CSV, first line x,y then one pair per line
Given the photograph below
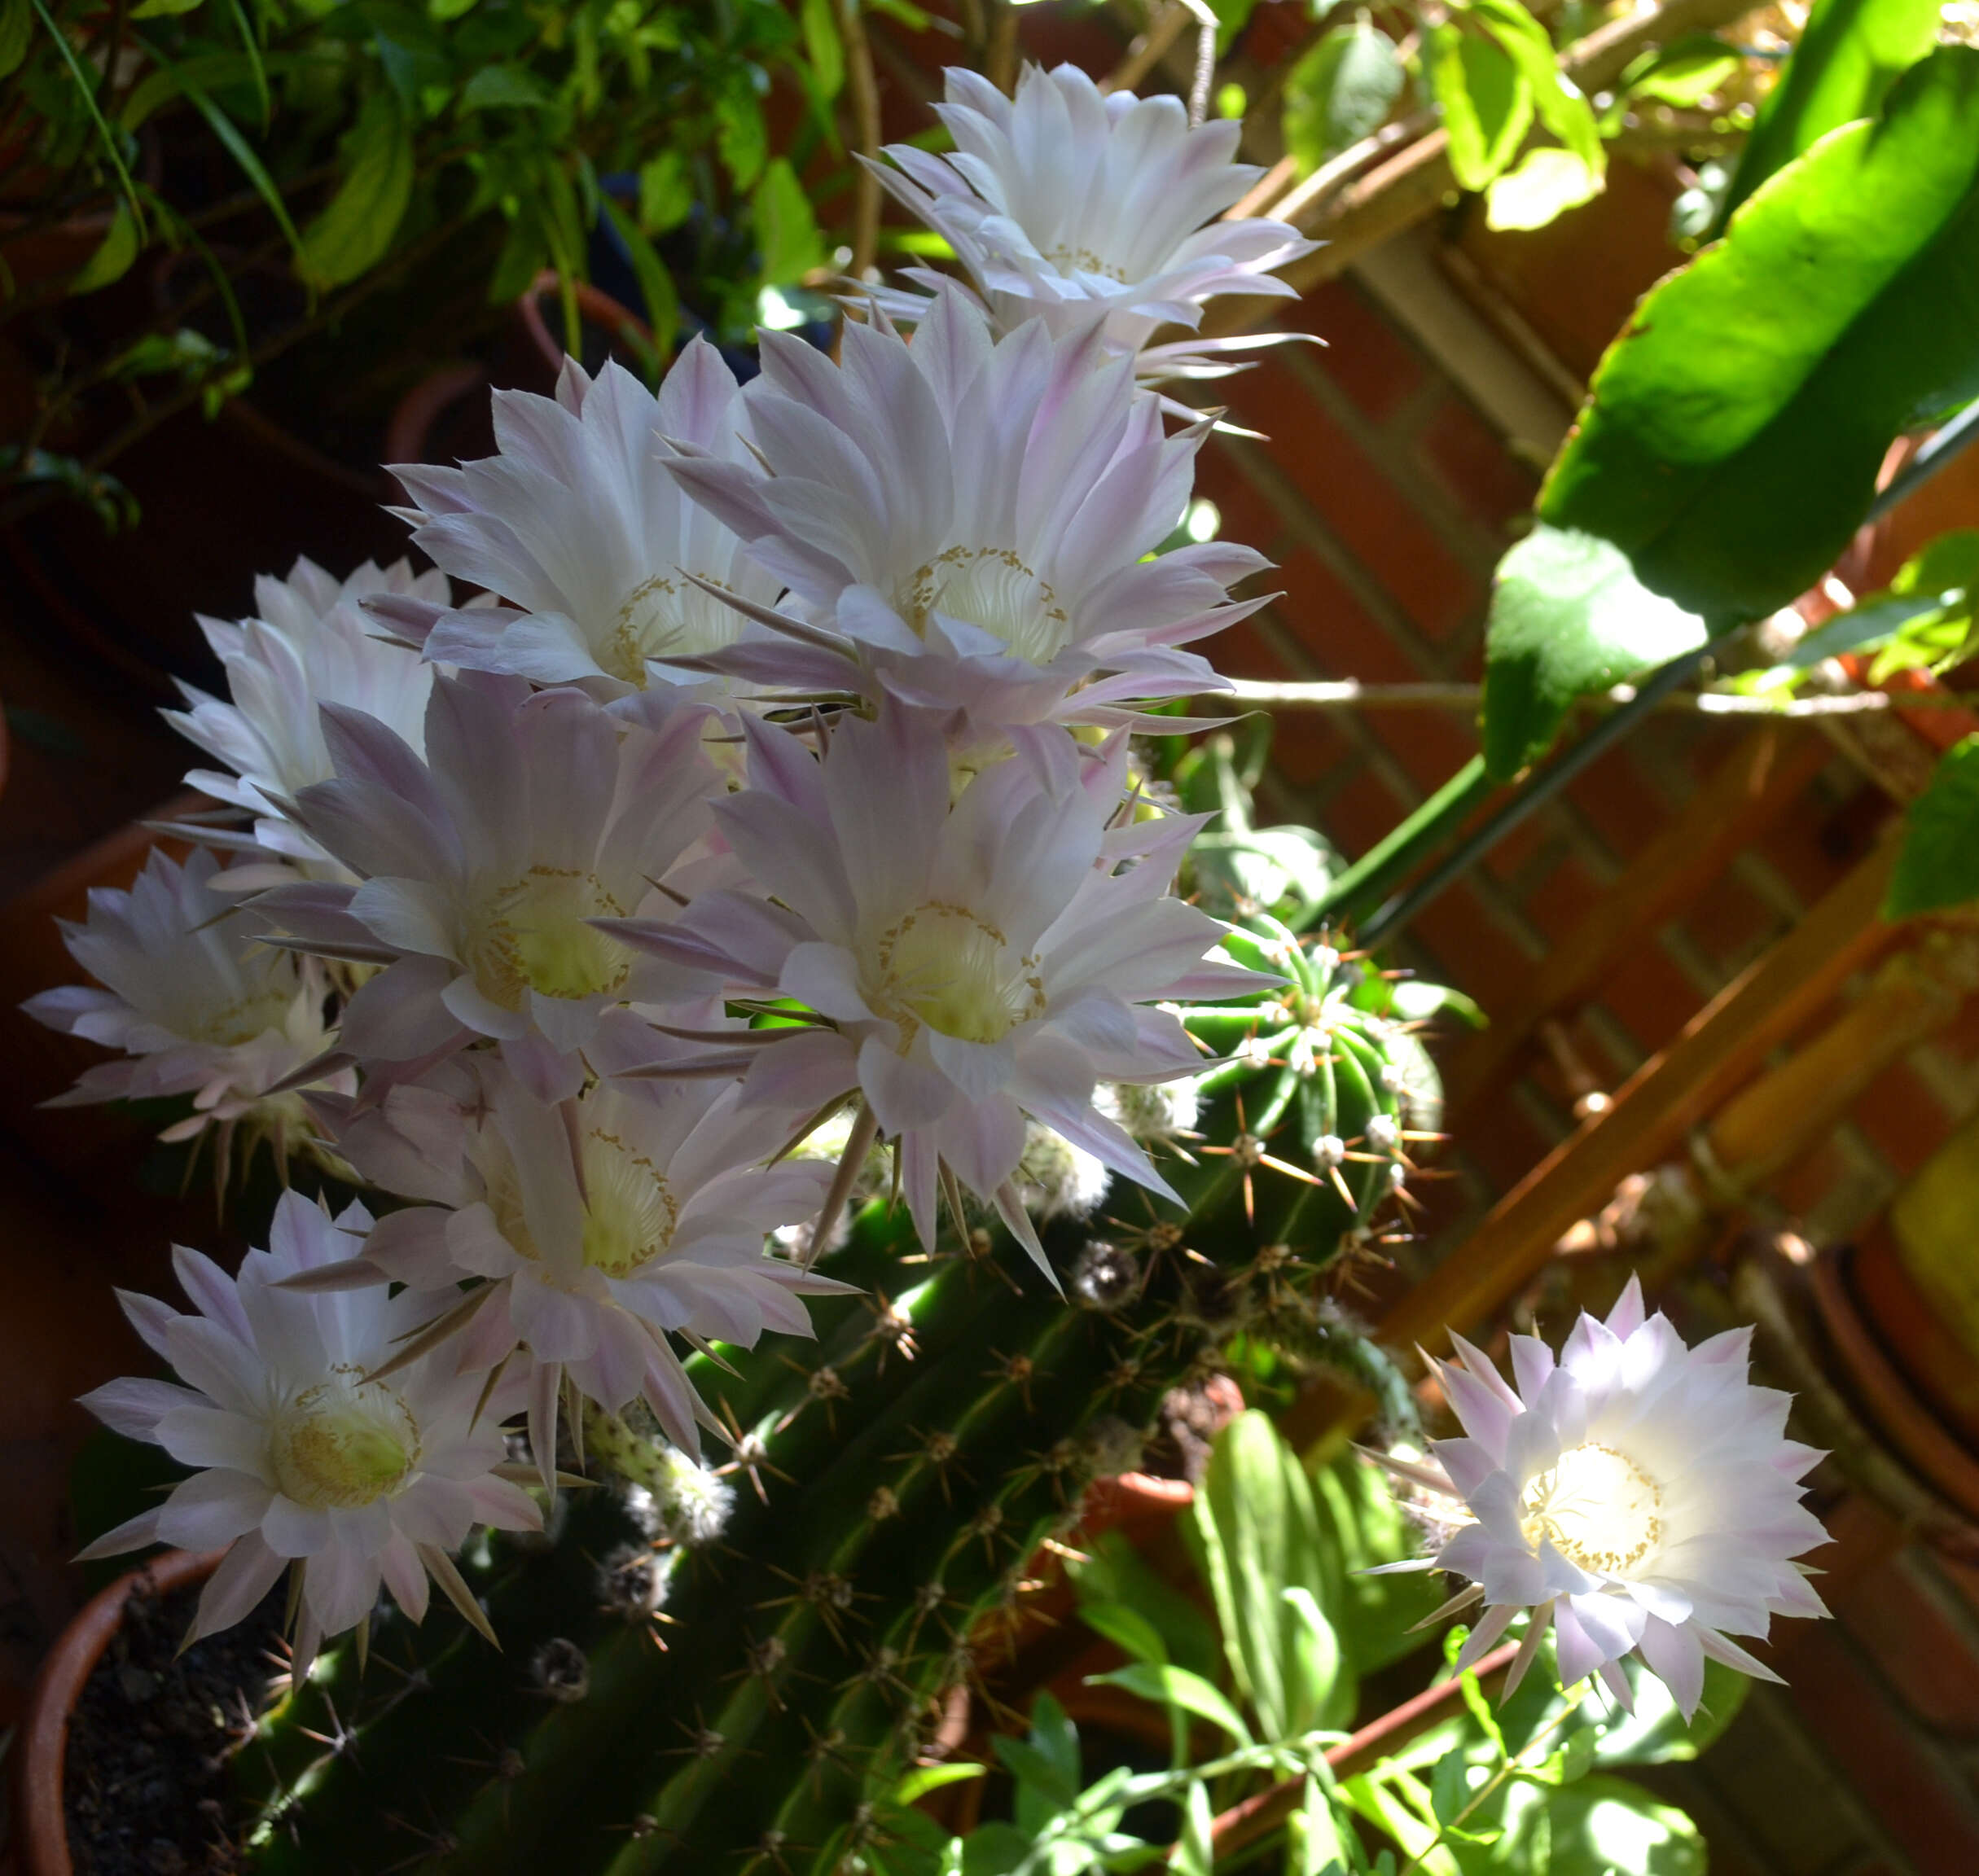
x,y
826,977
1613,1624
1468,1463
1663,1600
411,1247
153,1320
133,1408
983,1140
671,1396
1672,1653
210,1290
1730,1655
1616,1682
1514,1576
405,1575
203,1436
906,1094
211,1509
1483,1411
1579,1653
979,1071
133,1534
341,1585
293,1530
246,1573
1482,1639
1532,1361
473,1008
398,1015
503,1506
1481,1365
1529,1651
1627,1315
554,1326
800,1074
1531,1447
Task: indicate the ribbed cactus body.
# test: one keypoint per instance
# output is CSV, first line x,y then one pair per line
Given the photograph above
x,y
911,1461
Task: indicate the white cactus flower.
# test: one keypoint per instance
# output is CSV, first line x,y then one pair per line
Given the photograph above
x,y
310,642
304,1458
1639,1496
1077,207
579,529
190,990
602,1225
969,522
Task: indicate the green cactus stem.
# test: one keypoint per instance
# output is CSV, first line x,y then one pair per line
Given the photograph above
x,y
722,1670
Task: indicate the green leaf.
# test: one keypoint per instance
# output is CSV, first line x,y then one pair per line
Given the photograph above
x,y
1262,1534
1170,1687
16,28
787,235
1127,1629
1656,1734
1313,1662
827,52
1568,619
111,260
1849,55
1317,1847
656,283
161,9
666,192
923,1779
1115,1572
1938,866
742,138
1339,92
1606,1826
237,147
1543,187
354,231
1683,73
1195,1850
1487,105
1732,435
85,87
503,86
1557,101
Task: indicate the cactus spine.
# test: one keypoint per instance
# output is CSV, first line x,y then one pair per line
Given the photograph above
x,y
709,1672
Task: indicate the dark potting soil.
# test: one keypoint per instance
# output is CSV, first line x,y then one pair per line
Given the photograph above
x,y
148,1776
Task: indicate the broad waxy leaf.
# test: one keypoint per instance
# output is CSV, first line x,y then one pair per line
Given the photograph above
x,y
787,234
16,28
112,260
1543,187
1170,1686
1683,73
1262,1536
1849,55
353,232
1339,92
1568,619
1939,865
1487,104
1732,435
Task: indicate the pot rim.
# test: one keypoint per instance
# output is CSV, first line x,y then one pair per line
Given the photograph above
x,y
44,1736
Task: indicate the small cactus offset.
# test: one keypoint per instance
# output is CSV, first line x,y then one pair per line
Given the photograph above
x,y
713,1667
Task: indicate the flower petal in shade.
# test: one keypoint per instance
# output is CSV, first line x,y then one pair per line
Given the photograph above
x,y
211,1509
1675,1655
246,1573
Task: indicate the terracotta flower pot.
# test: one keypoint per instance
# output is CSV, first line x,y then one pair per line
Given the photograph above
x,y
42,1844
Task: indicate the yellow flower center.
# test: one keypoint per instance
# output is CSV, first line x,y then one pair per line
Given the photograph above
x,y
530,934
989,587
664,616
1067,259
630,1214
1600,1508
954,971
344,1443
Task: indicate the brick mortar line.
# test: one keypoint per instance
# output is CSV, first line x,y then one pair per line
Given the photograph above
x,y
1398,457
